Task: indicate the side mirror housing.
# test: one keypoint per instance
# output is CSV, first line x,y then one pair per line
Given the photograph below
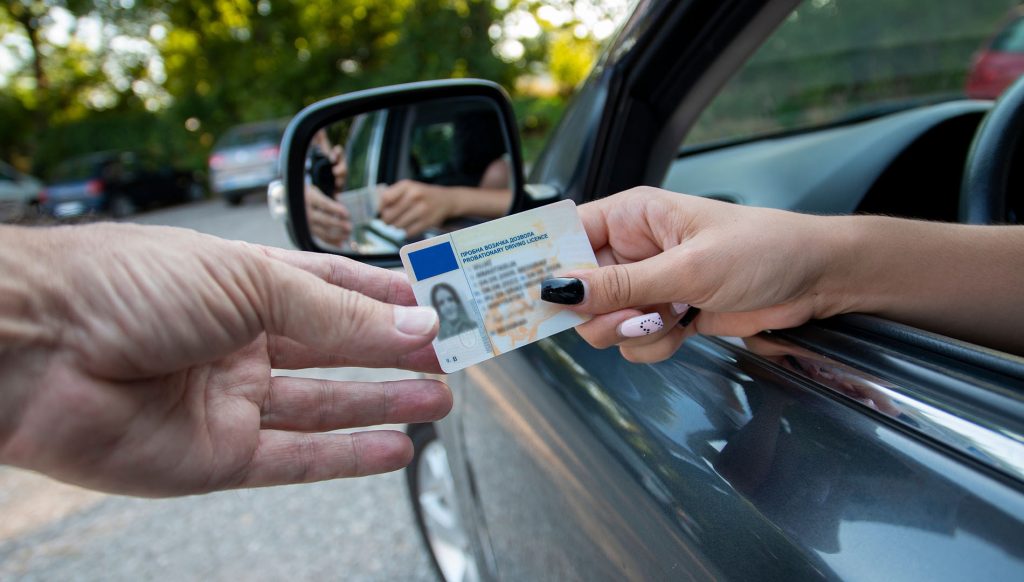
x,y
351,161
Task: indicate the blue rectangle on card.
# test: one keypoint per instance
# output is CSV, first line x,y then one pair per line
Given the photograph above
x,y
432,261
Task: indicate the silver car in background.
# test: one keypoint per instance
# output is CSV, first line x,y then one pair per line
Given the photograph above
x,y
244,160
19,194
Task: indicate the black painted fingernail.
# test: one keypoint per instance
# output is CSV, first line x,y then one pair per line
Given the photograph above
x,y
689,316
563,290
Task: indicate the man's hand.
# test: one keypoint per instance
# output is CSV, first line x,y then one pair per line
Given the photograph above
x,y
328,218
137,360
339,167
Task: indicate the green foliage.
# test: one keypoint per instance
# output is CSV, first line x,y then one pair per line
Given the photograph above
x,y
537,116
225,62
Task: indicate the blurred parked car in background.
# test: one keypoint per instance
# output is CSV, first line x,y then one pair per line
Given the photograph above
x,y
118,183
244,160
1000,61
19,194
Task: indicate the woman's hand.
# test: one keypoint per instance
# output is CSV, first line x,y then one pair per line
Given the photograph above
x,y
138,360
751,269
415,206
748,269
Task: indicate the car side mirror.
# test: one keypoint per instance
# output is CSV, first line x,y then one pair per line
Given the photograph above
x,y
367,172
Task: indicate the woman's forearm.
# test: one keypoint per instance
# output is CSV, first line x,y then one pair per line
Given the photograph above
x,y
484,202
963,281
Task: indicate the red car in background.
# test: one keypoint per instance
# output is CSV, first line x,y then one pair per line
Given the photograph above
x,y
1000,61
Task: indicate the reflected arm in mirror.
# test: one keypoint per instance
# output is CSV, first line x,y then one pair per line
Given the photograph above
x,y
416,207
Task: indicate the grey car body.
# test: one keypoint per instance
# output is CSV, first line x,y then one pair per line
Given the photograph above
x,y
19,193
722,462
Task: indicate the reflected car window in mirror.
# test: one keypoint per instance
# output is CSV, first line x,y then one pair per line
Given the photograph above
x,y
382,179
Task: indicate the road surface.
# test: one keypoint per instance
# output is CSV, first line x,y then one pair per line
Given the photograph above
x,y
340,530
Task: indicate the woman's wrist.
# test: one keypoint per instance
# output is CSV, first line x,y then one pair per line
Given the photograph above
x,y
843,243
456,202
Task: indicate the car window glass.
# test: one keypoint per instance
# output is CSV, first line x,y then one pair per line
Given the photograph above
x,y
431,148
246,136
358,149
80,169
1011,39
838,60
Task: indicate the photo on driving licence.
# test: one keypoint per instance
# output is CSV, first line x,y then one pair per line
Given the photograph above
x,y
455,317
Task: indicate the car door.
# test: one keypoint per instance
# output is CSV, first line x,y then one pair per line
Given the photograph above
x,y
852,448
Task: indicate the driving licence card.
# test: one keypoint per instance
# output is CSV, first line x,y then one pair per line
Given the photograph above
x,y
362,203
484,281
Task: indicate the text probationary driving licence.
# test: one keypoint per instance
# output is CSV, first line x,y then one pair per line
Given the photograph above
x,y
484,281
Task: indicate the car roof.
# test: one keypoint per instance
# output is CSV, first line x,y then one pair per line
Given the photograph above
x,y
277,126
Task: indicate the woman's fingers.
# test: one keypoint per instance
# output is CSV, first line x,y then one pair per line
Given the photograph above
x,y
405,216
394,201
663,278
602,330
283,458
305,404
662,349
631,327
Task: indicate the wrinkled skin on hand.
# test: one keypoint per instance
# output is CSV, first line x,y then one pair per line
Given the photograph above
x,y
139,362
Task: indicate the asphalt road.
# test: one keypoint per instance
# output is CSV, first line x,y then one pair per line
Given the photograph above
x,y
359,529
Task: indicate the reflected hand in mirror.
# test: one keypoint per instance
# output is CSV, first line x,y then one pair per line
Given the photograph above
x,y
328,218
415,206
381,179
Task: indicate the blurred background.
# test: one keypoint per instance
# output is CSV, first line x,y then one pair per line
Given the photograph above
x,y
171,112
90,89
113,106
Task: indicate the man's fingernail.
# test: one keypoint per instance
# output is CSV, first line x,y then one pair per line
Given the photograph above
x,y
415,320
679,308
641,325
563,290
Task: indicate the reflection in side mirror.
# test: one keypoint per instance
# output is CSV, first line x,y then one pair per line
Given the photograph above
x,y
387,177
379,178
